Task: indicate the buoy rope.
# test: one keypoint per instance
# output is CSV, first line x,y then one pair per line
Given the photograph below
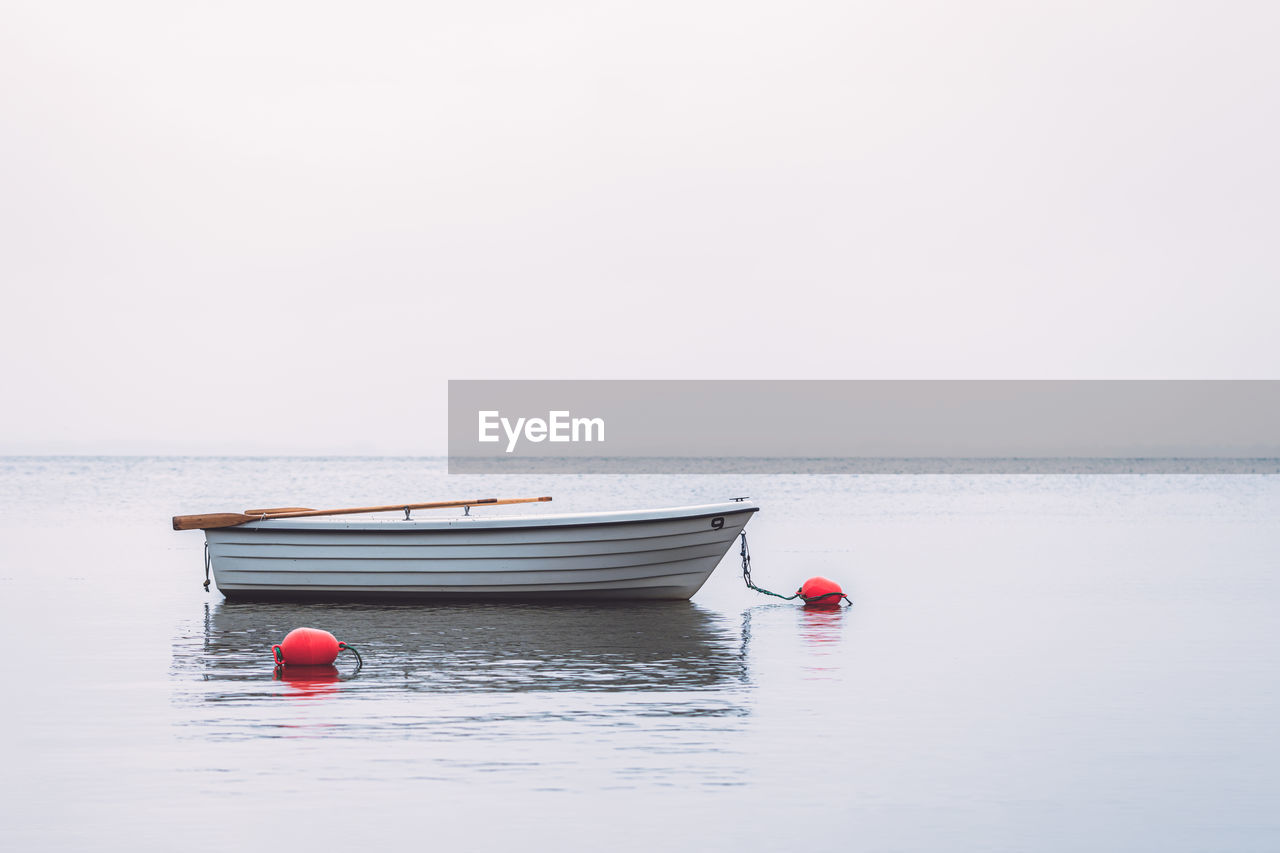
x,y
746,576
827,595
746,573
359,660
278,654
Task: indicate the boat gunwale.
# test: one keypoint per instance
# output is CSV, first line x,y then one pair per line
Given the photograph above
x,y
471,523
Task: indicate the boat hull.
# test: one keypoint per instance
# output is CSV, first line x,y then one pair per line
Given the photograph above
x,y
640,555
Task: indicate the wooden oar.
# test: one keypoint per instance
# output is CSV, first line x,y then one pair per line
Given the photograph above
x,y
209,521
277,509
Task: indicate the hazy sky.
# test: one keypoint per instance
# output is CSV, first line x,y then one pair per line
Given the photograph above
x,y
281,227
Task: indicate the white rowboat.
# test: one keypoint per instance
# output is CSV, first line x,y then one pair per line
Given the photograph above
x,y
634,555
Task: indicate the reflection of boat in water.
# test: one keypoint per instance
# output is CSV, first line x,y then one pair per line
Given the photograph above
x,y
486,647
635,555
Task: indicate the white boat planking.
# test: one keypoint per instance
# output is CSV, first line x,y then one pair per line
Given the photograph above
x,y
651,554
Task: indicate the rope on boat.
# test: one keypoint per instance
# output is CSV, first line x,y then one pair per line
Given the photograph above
x,y
746,572
206,566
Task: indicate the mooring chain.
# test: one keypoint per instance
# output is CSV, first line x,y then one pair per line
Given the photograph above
x,y
838,595
746,572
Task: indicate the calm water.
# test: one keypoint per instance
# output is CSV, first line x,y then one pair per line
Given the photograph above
x,y
1032,662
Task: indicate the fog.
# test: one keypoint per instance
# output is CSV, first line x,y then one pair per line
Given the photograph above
x,y
281,228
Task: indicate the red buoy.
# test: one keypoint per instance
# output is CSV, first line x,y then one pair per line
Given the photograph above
x,y
307,647
821,592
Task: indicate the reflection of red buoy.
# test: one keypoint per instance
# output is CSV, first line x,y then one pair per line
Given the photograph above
x,y
309,682
307,676
309,647
821,592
